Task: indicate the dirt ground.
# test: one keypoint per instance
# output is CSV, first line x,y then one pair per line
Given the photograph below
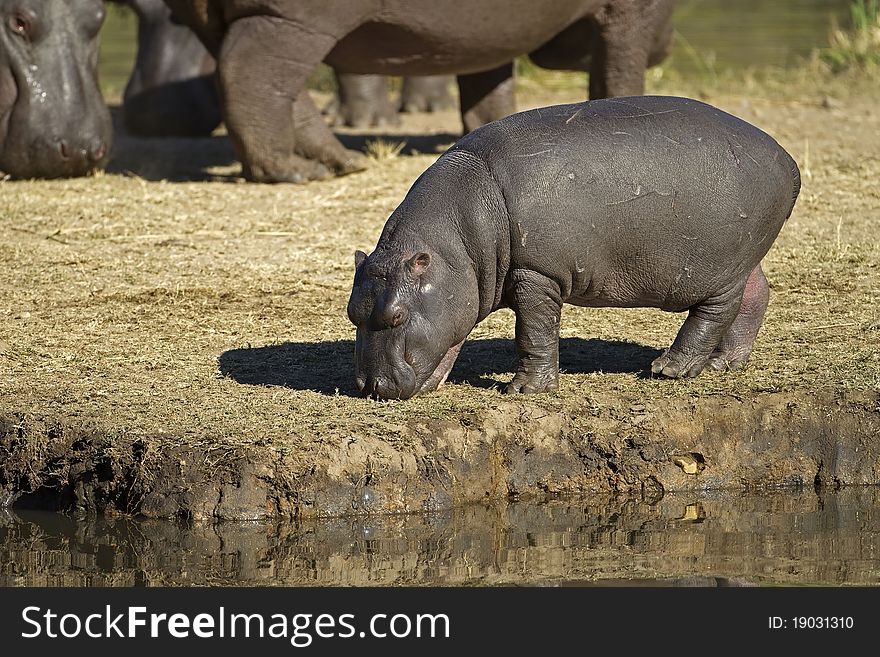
x,y
164,324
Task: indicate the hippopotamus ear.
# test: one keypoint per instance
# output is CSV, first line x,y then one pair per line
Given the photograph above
x,y
418,263
359,257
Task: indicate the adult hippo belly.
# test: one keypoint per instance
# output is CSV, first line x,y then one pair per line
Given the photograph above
x,y
266,51
53,120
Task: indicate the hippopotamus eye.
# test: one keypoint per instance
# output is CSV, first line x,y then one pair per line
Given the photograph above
x,y
19,24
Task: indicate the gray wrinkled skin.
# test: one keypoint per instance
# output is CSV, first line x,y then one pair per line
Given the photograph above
x,y
53,119
267,50
172,91
646,201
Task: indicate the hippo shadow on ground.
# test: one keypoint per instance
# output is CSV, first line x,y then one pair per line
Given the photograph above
x,y
213,158
176,159
325,367
328,367
479,359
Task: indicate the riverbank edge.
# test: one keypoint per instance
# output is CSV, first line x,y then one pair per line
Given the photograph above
x,y
517,450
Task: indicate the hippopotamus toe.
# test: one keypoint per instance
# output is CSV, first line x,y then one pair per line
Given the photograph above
x,y
676,366
527,384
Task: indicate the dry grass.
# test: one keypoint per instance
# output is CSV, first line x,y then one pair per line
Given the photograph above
x,y
214,310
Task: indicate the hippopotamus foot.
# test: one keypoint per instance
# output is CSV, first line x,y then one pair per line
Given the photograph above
x,y
537,303
675,366
707,333
532,382
292,169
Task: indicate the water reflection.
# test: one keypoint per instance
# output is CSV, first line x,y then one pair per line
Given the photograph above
x,y
791,538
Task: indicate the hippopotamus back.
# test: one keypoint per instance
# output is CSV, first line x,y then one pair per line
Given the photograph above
x,y
642,201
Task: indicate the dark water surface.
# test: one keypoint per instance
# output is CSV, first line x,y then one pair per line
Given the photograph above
x,y
791,538
711,36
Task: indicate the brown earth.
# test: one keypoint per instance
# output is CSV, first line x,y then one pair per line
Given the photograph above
x,y
173,342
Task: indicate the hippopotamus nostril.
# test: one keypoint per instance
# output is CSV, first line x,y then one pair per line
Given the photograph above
x,y
380,387
64,149
98,151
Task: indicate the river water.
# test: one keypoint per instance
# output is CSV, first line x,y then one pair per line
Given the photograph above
x,y
784,538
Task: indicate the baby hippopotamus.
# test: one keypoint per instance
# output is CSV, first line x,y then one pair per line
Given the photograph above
x,y
646,201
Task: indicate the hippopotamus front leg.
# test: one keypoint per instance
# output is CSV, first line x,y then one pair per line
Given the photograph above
x,y
702,335
537,303
277,131
486,96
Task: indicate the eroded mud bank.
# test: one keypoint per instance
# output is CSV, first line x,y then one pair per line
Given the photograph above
x,y
516,450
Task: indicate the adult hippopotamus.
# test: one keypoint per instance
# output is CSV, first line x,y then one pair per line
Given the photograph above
x,y
646,201
53,119
171,91
266,51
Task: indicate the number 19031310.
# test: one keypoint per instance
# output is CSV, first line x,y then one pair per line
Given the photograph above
x,y
811,623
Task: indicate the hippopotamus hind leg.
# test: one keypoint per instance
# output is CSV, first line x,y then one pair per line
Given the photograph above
x,y
426,93
701,334
537,303
736,345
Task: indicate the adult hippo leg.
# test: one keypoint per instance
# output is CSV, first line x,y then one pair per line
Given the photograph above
x,y
736,345
486,96
701,334
362,101
538,305
278,133
426,93
622,48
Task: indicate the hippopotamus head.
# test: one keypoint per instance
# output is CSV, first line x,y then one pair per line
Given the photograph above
x,y
53,120
407,307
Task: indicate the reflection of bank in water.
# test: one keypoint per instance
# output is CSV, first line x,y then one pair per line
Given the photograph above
x,y
683,540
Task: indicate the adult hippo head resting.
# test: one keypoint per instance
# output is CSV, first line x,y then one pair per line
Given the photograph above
x,y
54,122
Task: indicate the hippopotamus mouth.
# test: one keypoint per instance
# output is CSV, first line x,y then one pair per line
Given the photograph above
x,y
441,372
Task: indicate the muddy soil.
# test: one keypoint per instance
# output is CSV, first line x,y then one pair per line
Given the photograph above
x,y
173,341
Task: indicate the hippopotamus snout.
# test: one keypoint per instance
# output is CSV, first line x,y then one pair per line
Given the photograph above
x,y
379,386
56,156
381,373
82,155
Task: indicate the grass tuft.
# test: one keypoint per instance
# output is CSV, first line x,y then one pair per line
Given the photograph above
x,y
858,47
